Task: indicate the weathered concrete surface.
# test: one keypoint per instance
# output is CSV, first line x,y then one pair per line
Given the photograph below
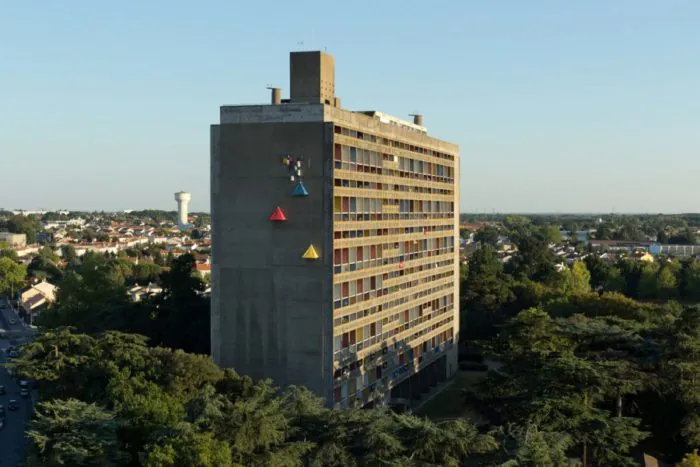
x,y
271,313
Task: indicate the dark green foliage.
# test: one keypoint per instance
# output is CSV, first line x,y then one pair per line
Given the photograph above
x,y
129,404
486,291
534,260
92,298
569,375
72,432
487,235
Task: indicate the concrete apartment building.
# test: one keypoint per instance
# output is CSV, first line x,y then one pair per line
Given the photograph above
x,y
335,260
13,239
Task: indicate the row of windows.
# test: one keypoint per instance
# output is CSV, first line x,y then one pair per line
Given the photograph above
x,y
377,332
358,159
341,182
391,217
395,144
391,231
396,302
356,289
393,355
379,262
359,386
362,205
359,254
391,172
355,295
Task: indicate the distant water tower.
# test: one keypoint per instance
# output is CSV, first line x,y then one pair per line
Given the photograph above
x,y
183,199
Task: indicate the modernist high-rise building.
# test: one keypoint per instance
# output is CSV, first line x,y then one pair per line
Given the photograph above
x,y
335,245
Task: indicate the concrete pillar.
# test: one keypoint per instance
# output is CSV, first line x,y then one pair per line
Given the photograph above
x,y
276,97
415,387
396,392
406,389
424,381
441,368
433,374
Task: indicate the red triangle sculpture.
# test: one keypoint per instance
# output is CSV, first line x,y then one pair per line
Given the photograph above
x,y
277,215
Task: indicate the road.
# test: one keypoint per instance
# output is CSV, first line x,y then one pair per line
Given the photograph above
x,y
12,440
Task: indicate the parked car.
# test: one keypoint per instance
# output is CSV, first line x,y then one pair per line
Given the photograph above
x,y
2,411
13,405
2,390
13,320
24,392
13,354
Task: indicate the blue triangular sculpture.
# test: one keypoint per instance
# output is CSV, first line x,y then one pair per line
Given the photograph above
x,y
300,190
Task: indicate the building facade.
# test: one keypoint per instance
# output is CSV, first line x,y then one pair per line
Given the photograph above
x,y
13,239
335,261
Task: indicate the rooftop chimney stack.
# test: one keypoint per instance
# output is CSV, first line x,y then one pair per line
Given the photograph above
x,y
417,119
312,78
276,96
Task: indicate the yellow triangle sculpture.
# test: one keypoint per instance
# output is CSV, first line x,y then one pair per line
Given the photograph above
x,y
310,253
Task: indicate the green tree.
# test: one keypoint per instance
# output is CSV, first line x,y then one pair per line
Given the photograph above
x,y
144,273
681,364
45,265
487,290
599,269
691,282
604,232
534,260
686,237
181,314
551,234
487,235
528,446
576,280
28,225
12,276
7,252
666,283
185,446
690,460
614,282
69,255
48,253
648,284
515,222
554,377
72,432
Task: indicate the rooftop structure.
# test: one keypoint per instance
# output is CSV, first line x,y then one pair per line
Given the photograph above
x,y
183,200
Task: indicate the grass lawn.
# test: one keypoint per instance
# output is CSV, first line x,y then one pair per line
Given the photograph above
x,y
450,402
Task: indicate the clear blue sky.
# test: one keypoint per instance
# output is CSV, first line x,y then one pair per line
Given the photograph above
x,y
557,105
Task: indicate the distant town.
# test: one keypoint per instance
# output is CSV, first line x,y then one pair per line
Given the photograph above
x,y
150,239
575,237
45,241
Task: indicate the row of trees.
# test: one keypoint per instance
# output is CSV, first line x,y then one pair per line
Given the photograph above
x,y
112,400
668,229
582,360
28,225
93,298
668,279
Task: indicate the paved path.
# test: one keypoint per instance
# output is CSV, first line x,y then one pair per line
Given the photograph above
x,y
12,440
